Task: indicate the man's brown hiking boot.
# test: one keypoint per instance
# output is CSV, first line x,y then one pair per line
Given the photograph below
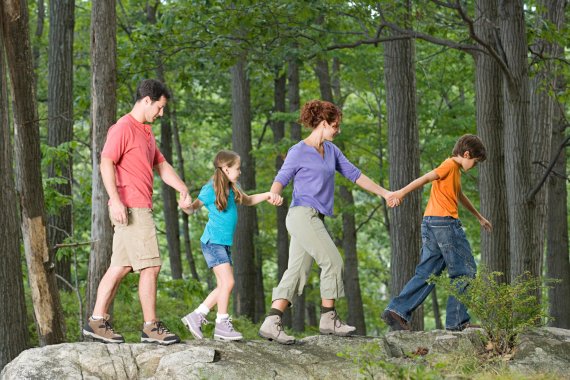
x,y
101,330
157,332
395,322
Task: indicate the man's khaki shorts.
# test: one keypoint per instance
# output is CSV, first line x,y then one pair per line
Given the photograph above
x,y
135,244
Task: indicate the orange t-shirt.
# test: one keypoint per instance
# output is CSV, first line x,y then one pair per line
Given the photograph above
x,y
132,147
445,191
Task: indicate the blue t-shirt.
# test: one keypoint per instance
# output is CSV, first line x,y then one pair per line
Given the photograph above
x,y
221,224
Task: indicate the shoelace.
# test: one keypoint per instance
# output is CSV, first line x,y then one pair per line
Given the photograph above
x,y
161,327
202,319
108,326
228,323
336,319
279,325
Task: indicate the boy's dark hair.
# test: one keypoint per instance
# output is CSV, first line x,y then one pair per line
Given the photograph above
x,y
471,144
153,89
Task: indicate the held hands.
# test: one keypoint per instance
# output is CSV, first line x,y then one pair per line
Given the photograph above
x,y
485,224
274,199
394,198
185,201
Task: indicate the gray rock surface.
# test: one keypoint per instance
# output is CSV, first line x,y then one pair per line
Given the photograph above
x,y
314,357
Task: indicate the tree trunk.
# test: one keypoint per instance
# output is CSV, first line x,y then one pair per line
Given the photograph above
x,y
170,206
180,165
492,186
299,310
60,123
404,158
278,127
557,261
517,139
103,111
41,274
436,313
244,250
41,15
14,329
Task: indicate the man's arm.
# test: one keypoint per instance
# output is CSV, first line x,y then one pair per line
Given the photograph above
x,y
169,176
117,208
469,206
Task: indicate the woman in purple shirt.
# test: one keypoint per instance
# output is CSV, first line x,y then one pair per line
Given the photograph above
x,y
312,164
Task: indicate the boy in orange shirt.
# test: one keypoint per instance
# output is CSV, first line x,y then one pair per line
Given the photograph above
x,y
444,243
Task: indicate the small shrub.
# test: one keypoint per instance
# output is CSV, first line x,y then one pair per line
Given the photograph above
x,y
504,310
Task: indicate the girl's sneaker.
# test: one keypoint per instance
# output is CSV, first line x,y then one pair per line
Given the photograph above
x,y
194,322
225,331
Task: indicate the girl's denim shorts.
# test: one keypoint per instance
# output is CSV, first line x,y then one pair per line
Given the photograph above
x,y
216,254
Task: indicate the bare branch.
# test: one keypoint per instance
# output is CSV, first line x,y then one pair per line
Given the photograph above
x,y
532,193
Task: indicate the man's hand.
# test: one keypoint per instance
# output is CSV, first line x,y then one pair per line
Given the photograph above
x,y
394,198
118,212
185,200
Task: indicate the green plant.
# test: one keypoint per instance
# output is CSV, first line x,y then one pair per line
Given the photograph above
x,y
504,310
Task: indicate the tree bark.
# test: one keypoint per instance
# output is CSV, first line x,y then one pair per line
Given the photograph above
x,y
14,329
103,111
41,275
299,309
516,94
489,102
41,15
244,250
60,123
557,260
170,206
278,127
404,158
180,165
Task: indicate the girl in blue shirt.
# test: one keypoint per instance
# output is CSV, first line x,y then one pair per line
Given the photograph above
x,y
219,196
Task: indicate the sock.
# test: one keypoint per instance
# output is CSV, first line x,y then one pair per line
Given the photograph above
x,y
96,317
149,323
219,317
275,312
203,309
325,309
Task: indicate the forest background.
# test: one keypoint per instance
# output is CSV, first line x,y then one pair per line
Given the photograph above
x,y
410,77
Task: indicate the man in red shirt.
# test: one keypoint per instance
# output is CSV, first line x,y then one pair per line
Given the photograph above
x,y
127,161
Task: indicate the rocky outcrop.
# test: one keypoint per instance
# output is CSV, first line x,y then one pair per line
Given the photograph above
x,y
314,357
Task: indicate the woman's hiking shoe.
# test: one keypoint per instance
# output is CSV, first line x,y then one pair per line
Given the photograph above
x,y
332,325
194,322
225,330
272,329
101,330
156,332
395,322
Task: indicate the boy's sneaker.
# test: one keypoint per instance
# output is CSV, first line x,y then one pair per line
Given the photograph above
x,y
395,322
156,332
225,330
466,325
101,330
272,329
332,325
194,322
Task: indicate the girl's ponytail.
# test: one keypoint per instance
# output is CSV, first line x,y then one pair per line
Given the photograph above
x,y
221,181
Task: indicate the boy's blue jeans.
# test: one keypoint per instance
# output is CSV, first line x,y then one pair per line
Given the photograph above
x,y
444,244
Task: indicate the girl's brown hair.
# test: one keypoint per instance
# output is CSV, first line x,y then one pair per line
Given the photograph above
x,y
315,111
220,180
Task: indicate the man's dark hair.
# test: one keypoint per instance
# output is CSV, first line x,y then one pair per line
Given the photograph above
x,y
153,89
471,144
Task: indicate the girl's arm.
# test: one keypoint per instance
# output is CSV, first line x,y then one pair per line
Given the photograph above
x,y
195,206
469,206
252,200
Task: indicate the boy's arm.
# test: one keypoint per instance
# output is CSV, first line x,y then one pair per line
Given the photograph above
x,y
193,207
469,206
415,184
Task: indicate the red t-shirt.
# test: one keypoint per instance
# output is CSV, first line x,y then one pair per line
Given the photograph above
x,y
132,147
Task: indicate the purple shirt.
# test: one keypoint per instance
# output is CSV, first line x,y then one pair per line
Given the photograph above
x,y
313,175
